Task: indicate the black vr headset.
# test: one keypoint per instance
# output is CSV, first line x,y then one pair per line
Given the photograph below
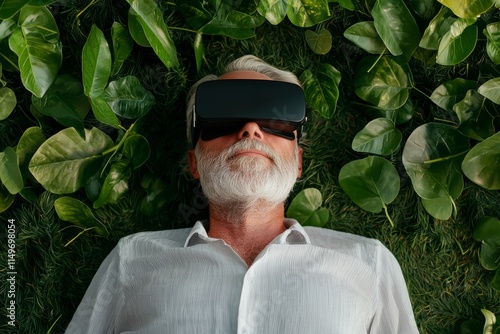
x,y
223,107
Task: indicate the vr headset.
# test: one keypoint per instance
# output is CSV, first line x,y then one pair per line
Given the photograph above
x,y
222,107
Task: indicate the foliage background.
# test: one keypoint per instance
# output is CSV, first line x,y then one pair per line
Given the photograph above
x,y
439,258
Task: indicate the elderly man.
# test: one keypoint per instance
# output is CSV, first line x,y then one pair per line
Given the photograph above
x,y
247,269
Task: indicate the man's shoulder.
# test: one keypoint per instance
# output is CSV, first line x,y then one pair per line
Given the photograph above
x,y
166,238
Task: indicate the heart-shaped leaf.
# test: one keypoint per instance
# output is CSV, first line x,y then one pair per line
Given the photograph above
x,y
396,27
322,89
78,213
371,183
489,256
450,92
29,142
364,35
136,149
458,43
321,42
491,90
488,229
475,121
10,174
468,8
492,33
115,184
8,102
128,98
103,112
155,29
122,46
273,10
306,208
379,136
306,13
62,162
96,63
383,82
482,164
436,29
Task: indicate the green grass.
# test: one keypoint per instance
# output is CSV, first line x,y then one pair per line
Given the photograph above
x,y
439,258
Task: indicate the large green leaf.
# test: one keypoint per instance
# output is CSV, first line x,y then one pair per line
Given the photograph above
x,y
482,164
122,46
8,102
475,120
492,33
155,29
103,112
491,90
322,89
458,43
383,82
7,27
76,212
65,102
115,184
451,92
489,256
29,142
432,157
364,35
468,8
379,136
321,42
396,27
306,208
273,10
128,98
63,161
306,13
38,49
9,8
135,29
488,229
425,8
136,149
436,29
371,183
234,24
10,174
96,63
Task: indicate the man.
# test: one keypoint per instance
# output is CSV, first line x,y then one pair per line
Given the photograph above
x,y
247,269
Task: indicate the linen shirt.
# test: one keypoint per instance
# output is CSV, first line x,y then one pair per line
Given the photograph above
x,y
307,280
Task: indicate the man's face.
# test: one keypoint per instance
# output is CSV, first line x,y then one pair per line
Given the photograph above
x,y
247,165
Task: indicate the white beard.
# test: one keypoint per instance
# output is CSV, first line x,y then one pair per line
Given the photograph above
x,y
239,183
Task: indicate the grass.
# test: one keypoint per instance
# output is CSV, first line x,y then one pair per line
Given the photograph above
x,y
439,258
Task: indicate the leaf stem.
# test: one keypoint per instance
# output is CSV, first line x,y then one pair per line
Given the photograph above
x,y
9,61
183,29
418,90
453,156
55,322
387,215
376,61
79,234
117,147
83,11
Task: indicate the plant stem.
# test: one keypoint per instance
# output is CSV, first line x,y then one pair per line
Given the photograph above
x,y
83,11
117,147
418,90
79,234
55,322
183,29
376,61
388,217
428,162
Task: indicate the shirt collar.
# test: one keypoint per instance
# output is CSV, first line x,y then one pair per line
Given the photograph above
x,y
294,234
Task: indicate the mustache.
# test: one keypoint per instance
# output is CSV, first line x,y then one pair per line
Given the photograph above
x,y
250,144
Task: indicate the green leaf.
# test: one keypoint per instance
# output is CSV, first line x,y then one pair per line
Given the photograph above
x,y
29,142
155,29
103,112
458,43
135,29
6,198
491,90
63,161
347,4
468,8
489,256
492,33
234,24
115,184
128,98
306,13
136,149
371,183
440,208
306,208
38,49
364,35
273,10
199,50
495,284
451,92
65,102
482,163
7,27
426,9
432,157
475,120
398,116
10,174
322,89
96,63
386,85
488,229
157,194
379,136
122,46
8,102
321,42
9,8
78,213
436,29
396,27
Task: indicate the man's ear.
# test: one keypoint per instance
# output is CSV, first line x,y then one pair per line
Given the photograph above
x,y
193,165
299,170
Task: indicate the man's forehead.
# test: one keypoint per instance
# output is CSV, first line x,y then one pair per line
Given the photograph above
x,y
244,74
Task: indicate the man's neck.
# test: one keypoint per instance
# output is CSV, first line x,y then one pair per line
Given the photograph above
x,y
247,232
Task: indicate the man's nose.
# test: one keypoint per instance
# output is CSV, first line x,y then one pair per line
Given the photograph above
x,y
251,130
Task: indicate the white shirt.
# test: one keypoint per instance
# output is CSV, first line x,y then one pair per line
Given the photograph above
x,y
307,280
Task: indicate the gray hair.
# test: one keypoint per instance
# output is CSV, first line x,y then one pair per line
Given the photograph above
x,y
245,63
